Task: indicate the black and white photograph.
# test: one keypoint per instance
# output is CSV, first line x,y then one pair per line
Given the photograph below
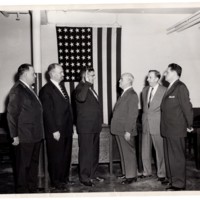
x,y
100,99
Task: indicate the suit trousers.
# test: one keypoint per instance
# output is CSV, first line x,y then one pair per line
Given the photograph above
x,y
174,151
157,140
128,156
26,166
88,155
59,159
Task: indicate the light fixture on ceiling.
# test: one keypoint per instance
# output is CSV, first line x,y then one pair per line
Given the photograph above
x,y
185,24
4,13
18,18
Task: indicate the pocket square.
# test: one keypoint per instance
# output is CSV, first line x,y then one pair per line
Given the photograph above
x,y
171,97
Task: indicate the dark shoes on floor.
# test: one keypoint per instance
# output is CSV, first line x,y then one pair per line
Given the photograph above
x,y
87,183
69,183
173,188
144,176
97,179
165,182
121,177
129,180
161,179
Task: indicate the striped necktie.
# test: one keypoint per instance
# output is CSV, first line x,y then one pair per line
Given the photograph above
x,y
64,92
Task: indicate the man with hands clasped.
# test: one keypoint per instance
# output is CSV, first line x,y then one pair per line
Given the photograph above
x,y
123,126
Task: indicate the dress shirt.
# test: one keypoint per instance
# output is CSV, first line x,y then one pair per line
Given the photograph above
x,y
126,90
57,85
153,92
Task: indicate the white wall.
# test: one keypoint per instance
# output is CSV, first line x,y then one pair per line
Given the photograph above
x,y
15,49
145,44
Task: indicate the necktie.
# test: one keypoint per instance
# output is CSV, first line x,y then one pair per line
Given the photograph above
x,y
150,97
94,93
31,89
64,92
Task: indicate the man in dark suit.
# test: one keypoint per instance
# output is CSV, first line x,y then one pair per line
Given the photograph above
x,y
89,124
151,100
123,126
25,121
58,124
176,120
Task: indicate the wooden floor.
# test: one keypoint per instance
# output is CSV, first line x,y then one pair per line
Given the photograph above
x,y
111,183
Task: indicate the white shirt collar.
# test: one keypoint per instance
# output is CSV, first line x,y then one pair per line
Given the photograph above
x,y
126,89
170,85
25,84
55,83
154,88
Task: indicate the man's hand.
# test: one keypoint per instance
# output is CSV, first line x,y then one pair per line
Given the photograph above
x,y
127,136
16,141
56,135
189,130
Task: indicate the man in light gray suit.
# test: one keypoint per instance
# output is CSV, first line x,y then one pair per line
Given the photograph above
x,y
151,98
123,126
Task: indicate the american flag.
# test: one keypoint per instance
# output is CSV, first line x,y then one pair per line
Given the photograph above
x,y
97,47
74,50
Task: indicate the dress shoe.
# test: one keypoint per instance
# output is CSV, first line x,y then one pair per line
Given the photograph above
x,y
98,179
161,179
144,176
87,183
165,182
69,183
173,188
121,177
58,187
129,180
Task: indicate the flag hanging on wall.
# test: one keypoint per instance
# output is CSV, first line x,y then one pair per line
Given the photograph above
x,y
96,47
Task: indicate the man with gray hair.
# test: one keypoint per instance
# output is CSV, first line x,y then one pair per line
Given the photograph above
x,y
123,126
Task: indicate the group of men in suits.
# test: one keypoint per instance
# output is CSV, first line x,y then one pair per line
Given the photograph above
x,y
30,119
28,114
166,119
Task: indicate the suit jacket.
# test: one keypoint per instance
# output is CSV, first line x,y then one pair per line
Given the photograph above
x,y
57,111
88,108
24,114
151,116
176,111
125,114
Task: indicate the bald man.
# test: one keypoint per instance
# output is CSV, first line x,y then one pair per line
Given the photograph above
x,y
123,126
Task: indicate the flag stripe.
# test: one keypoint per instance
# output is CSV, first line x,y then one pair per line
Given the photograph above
x,y
99,60
109,71
71,85
114,80
94,32
104,78
118,55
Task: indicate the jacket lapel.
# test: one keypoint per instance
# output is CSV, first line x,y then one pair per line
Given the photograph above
x,y
146,96
156,96
28,90
122,97
96,98
57,90
171,89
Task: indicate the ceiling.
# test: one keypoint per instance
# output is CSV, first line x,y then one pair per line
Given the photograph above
x,y
143,8
140,10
